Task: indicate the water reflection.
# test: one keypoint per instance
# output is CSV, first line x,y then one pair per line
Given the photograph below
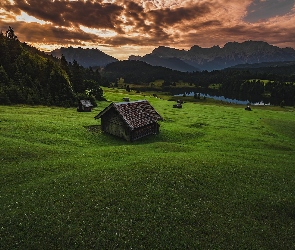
x,y
223,99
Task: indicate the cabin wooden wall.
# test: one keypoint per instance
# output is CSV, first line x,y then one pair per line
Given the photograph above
x,y
113,124
150,129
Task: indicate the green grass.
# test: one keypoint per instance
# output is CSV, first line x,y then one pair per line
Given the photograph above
x,y
216,177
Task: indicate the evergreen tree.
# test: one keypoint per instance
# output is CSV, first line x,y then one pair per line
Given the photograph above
x,y
10,34
76,77
4,79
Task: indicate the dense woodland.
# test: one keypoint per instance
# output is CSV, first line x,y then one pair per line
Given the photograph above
x,y
29,76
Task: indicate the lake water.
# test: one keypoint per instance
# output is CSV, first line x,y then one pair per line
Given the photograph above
x,y
224,99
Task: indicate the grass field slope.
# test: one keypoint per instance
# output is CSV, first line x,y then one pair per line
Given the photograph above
x,y
215,177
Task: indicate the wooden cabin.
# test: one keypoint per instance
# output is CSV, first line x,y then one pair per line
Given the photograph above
x,y
84,106
130,120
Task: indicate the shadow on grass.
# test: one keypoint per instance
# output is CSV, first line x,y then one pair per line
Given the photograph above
x,y
93,128
99,136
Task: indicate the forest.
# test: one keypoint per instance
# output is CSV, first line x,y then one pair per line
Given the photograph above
x,y
29,76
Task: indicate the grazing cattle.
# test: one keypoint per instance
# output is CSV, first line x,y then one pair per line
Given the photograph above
x,y
178,105
126,99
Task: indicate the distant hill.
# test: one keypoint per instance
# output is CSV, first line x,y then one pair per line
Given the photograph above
x,y
270,68
264,65
216,58
85,57
167,62
139,72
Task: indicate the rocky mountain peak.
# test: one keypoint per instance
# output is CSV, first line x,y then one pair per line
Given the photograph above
x,y
232,53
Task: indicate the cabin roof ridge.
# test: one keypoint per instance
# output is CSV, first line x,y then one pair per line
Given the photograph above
x,y
134,113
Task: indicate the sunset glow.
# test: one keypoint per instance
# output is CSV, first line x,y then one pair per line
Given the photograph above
x,y
24,17
98,32
135,27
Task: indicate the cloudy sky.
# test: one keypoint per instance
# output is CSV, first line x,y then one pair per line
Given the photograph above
x,y
124,27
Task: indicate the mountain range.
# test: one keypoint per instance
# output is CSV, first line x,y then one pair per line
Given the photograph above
x,y
85,57
216,58
194,59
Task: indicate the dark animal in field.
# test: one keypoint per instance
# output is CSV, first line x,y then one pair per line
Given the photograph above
x,y
178,105
248,108
126,99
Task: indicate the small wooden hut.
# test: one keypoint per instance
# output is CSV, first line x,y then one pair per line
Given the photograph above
x,y
130,120
84,106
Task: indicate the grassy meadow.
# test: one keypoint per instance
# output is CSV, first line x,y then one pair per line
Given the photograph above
x,y
216,177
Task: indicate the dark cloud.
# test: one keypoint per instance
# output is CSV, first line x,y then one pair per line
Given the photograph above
x,y
36,33
135,16
253,32
168,17
72,13
201,25
155,22
104,15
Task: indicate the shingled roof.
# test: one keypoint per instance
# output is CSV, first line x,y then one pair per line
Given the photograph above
x,y
86,103
136,114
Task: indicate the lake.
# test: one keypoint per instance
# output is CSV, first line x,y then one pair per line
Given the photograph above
x,y
223,99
